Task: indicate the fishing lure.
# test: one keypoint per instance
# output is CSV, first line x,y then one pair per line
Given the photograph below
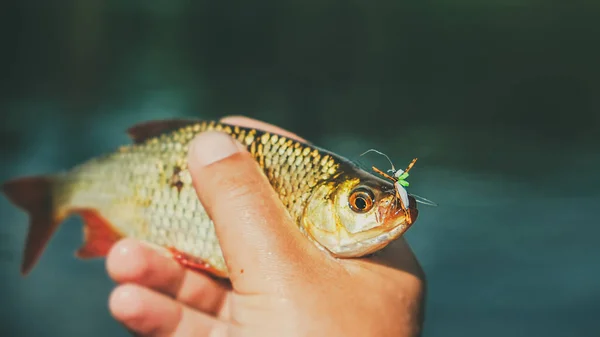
x,y
398,177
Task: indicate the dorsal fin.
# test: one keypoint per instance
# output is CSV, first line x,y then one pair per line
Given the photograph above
x,y
146,130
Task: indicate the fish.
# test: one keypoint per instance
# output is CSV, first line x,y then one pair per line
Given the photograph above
x,y
144,190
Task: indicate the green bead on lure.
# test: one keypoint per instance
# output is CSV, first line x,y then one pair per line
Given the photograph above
x,y
402,175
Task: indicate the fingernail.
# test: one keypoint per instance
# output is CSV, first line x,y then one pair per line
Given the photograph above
x,y
210,147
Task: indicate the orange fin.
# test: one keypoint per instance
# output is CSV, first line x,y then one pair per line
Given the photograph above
x,y
99,235
193,263
34,196
144,131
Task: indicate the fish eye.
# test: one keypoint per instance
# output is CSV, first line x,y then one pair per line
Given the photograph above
x,y
361,200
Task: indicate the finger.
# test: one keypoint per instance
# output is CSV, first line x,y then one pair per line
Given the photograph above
x,y
151,314
131,261
256,124
259,239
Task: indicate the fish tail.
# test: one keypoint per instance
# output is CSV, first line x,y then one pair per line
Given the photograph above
x,y
47,202
35,196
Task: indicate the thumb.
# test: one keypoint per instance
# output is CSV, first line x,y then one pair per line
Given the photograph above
x,y
259,240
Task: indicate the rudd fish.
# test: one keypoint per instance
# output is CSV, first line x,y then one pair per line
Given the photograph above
x,y
144,190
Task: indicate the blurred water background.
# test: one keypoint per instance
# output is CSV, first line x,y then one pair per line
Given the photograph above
x,y
498,99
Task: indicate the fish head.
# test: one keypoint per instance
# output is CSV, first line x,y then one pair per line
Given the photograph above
x,y
356,214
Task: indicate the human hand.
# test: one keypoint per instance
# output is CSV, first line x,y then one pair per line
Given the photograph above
x,y
280,283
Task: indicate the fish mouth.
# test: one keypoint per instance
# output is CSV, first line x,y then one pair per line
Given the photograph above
x,y
343,244
370,245
408,215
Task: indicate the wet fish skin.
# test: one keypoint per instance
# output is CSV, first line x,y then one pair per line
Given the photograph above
x,y
145,191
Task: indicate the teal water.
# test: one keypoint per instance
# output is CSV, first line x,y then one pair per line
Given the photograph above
x,y
499,102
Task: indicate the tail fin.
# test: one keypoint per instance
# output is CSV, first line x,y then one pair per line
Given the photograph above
x,y
34,195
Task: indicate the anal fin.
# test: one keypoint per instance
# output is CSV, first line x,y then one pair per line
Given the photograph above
x,y
194,263
99,235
